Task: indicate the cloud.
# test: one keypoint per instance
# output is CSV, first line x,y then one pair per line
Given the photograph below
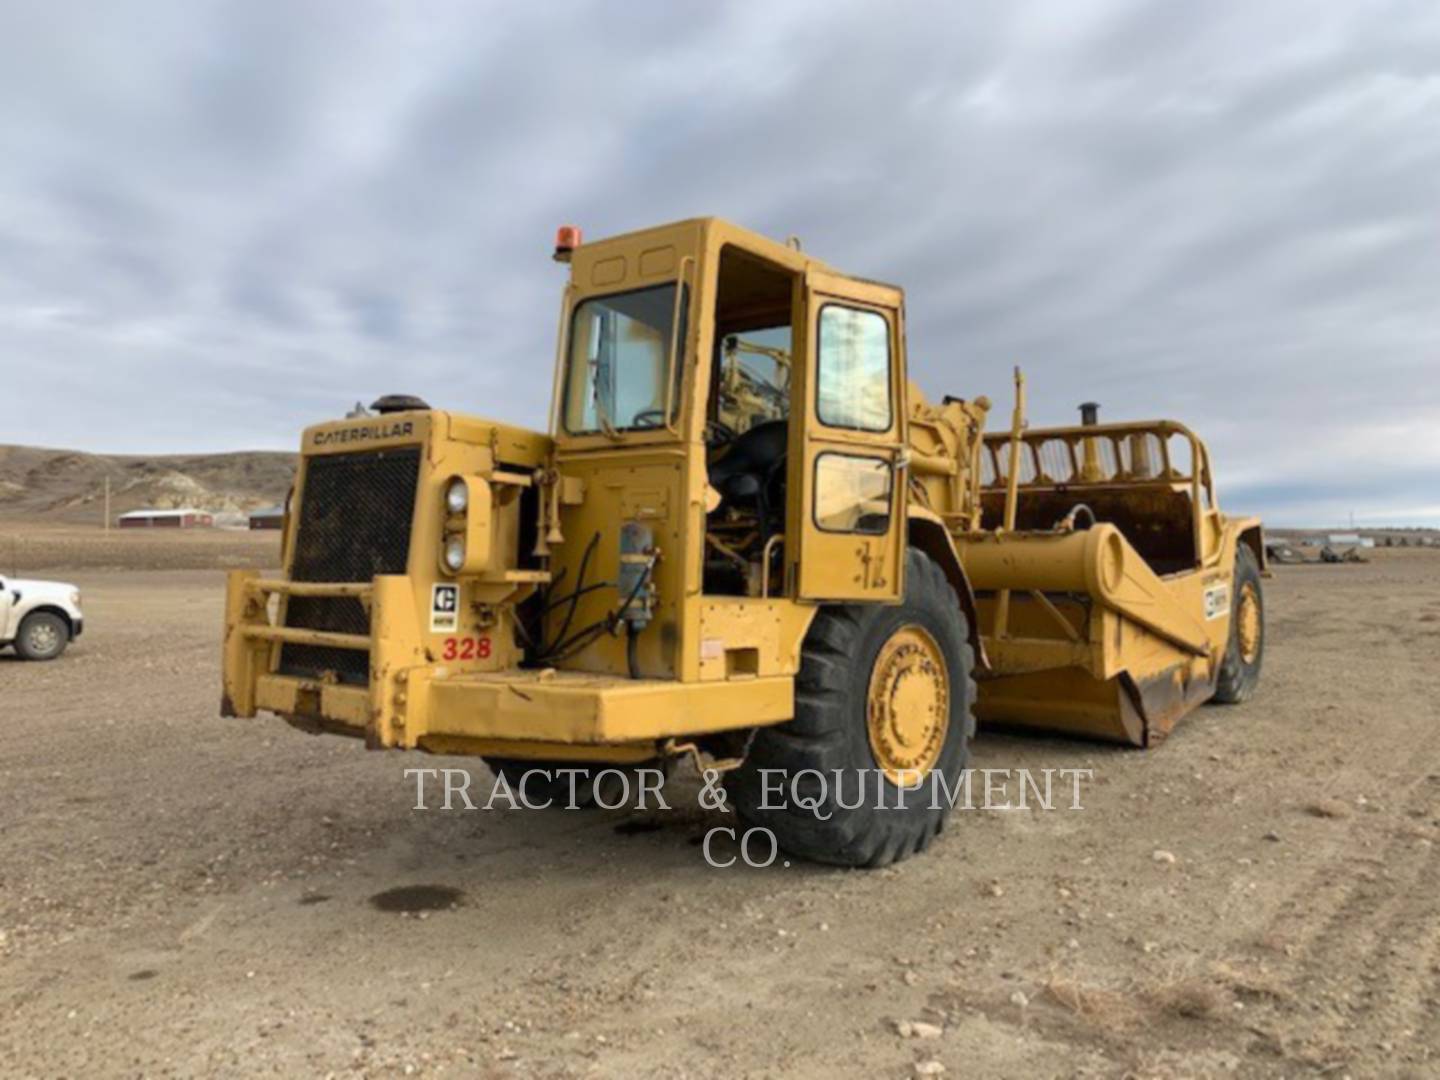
x,y
222,221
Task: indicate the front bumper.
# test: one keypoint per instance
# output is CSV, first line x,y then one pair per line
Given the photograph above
x,y
412,702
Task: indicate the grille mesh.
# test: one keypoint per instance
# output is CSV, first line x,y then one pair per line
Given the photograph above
x,y
355,516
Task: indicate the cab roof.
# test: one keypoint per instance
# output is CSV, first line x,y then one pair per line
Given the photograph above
x,y
719,231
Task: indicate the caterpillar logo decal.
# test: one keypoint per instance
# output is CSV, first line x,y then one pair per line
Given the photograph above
x,y
444,608
394,430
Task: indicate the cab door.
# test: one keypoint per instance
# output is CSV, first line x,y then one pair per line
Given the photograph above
x,y
847,450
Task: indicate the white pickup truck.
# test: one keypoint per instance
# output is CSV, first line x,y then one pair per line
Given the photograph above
x,y
39,618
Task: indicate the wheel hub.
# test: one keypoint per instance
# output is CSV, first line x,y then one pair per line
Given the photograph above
x,y
908,705
1247,618
43,638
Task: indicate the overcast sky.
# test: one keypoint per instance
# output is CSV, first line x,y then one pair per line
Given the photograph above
x,y
222,221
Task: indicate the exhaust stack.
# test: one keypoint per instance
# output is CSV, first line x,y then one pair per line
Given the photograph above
x,y
1090,470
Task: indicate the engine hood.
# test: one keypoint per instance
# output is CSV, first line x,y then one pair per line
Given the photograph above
x,y
35,587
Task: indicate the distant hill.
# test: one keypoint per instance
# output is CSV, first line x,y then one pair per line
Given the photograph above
x,y
69,486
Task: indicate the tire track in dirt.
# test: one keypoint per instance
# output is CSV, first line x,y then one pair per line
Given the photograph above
x,y
1363,933
1368,975
1357,937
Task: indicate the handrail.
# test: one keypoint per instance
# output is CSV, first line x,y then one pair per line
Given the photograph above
x,y
562,361
358,589
1017,434
1032,440
1118,427
299,635
672,363
1012,497
765,565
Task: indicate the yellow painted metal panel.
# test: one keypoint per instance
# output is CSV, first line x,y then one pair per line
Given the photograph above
x,y
348,705
577,708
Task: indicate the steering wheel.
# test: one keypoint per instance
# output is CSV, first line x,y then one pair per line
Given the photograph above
x,y
718,434
648,418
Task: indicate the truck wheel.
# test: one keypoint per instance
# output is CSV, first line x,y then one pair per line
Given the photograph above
x,y
555,789
1240,670
883,713
43,636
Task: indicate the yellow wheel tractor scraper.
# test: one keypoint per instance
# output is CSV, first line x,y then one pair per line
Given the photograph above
x,y
748,536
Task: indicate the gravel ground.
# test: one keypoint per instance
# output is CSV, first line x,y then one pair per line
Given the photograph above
x,y
184,895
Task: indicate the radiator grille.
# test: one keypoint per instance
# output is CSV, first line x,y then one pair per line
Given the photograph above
x,y
355,516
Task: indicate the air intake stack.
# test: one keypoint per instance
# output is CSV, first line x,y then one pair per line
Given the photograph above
x,y
1090,471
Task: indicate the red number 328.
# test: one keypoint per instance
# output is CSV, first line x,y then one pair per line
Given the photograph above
x,y
466,648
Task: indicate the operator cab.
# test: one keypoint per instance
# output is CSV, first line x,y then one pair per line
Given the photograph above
x,y
793,406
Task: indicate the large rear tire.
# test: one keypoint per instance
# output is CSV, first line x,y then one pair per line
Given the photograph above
x,y
1240,670
884,699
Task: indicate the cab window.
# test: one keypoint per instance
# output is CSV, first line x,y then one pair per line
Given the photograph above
x,y
852,493
619,355
753,386
853,369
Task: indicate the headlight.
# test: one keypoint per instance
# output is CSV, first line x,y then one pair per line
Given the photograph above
x,y
75,598
455,553
457,496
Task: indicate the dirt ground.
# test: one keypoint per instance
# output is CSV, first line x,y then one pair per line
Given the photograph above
x,y
47,549
185,895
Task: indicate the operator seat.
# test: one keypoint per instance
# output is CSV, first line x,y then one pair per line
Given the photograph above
x,y
742,473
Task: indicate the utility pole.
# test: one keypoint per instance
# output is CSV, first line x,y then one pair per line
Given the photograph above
x,y
107,504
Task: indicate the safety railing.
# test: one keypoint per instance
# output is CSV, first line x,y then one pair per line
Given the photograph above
x,y
261,589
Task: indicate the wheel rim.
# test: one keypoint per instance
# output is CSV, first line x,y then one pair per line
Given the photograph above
x,y
1247,618
908,705
44,638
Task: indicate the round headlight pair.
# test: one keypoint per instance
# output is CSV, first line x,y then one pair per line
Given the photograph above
x,y
455,553
457,496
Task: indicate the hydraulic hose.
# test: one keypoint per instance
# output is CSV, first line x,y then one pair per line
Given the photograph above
x,y
632,659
